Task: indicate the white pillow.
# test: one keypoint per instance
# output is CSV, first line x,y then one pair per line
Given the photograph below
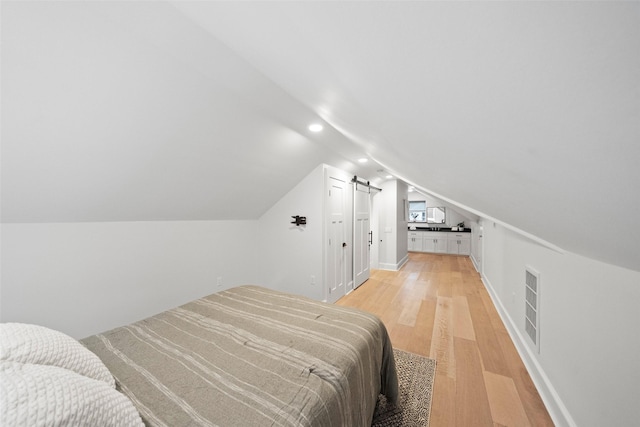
x,y
40,395
24,343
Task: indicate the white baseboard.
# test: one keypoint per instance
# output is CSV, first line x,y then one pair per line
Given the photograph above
x,y
556,408
475,263
393,267
403,261
387,266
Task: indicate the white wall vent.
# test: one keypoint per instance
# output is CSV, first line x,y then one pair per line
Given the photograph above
x,y
532,306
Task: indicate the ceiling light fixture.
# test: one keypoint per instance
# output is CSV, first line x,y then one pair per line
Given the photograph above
x,y
316,127
363,160
389,176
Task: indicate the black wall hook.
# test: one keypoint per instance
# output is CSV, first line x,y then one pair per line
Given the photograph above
x,y
299,220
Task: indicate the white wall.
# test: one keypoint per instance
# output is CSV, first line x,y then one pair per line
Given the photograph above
x,y
402,238
587,369
288,255
386,209
476,244
84,278
392,225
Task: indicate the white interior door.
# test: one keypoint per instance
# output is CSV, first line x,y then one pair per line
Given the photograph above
x,y
337,246
362,235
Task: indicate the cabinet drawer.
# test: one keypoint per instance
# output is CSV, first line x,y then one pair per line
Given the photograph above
x,y
459,236
435,235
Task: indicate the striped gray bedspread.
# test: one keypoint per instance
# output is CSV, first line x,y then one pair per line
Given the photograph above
x,y
250,356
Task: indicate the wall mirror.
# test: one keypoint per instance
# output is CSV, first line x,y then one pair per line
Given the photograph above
x,y
436,215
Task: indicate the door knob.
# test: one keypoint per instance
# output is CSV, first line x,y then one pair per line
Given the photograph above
x,y
344,245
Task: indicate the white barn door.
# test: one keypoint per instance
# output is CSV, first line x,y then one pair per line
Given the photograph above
x,y
362,236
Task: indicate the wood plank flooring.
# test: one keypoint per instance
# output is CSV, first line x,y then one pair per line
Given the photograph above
x,y
437,306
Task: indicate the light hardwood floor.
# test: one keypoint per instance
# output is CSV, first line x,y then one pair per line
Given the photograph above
x,y
437,306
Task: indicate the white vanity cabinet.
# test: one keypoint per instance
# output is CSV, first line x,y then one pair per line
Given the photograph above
x,y
440,242
415,241
459,243
435,242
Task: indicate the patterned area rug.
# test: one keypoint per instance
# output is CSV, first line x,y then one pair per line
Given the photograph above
x,y
415,379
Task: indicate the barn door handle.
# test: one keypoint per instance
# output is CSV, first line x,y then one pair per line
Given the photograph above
x,y
371,237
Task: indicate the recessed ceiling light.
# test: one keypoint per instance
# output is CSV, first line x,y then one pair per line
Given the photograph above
x,y
389,176
363,160
316,127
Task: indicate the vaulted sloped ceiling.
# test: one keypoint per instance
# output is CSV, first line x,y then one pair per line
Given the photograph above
x,y
129,111
526,113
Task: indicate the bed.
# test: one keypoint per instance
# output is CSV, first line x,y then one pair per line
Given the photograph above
x,y
250,356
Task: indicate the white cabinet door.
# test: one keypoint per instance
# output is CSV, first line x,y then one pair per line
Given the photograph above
x,y
464,248
459,244
440,245
435,242
429,244
415,241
